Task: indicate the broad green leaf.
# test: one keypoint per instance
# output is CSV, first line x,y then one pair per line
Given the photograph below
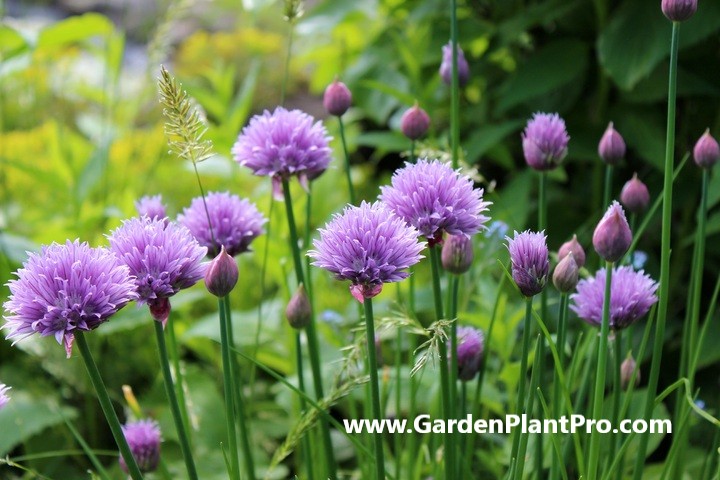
x,y
487,136
74,30
386,141
25,416
12,43
644,131
546,71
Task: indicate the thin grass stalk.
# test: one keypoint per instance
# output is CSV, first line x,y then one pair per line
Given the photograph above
x,y
556,398
238,391
452,314
455,89
286,76
581,394
706,325
229,393
553,437
519,406
529,405
306,446
109,412
665,250
398,397
617,390
174,405
313,344
542,226
607,191
599,393
351,190
179,378
374,387
448,439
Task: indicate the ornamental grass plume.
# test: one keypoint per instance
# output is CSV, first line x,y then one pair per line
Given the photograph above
x,y
530,261
545,141
706,152
470,349
235,222
369,246
632,293
463,69
612,236
635,195
152,206
4,398
283,144
612,146
163,259
143,438
435,199
67,288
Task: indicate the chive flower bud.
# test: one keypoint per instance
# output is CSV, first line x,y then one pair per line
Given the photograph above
x,y
457,254
565,276
222,274
463,69
627,367
143,438
337,98
574,247
707,151
470,349
678,10
612,146
612,237
634,195
299,311
414,122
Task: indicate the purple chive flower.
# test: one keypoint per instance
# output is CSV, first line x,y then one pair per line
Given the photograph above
x,y
414,122
143,438
434,198
612,236
282,144
707,151
574,247
678,10
4,399
612,146
369,246
446,65
545,141
235,222
530,262
337,98
65,288
635,195
470,348
163,259
632,293
153,206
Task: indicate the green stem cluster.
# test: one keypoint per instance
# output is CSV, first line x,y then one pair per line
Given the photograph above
x,y
374,387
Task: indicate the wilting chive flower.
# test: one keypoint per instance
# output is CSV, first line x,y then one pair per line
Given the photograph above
x,y
545,141
66,288
446,65
283,144
337,98
530,263
612,236
4,398
369,246
627,368
143,438
635,195
434,198
574,247
164,259
565,276
632,294
153,206
414,122
235,222
612,146
470,348
678,10
707,151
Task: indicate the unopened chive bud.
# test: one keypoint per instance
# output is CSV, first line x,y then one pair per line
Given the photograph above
x,y
627,368
707,151
574,247
457,254
612,237
463,69
299,311
635,195
470,349
678,10
565,276
414,122
337,98
612,146
222,274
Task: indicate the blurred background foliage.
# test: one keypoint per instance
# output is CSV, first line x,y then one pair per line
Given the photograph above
x,y
81,139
